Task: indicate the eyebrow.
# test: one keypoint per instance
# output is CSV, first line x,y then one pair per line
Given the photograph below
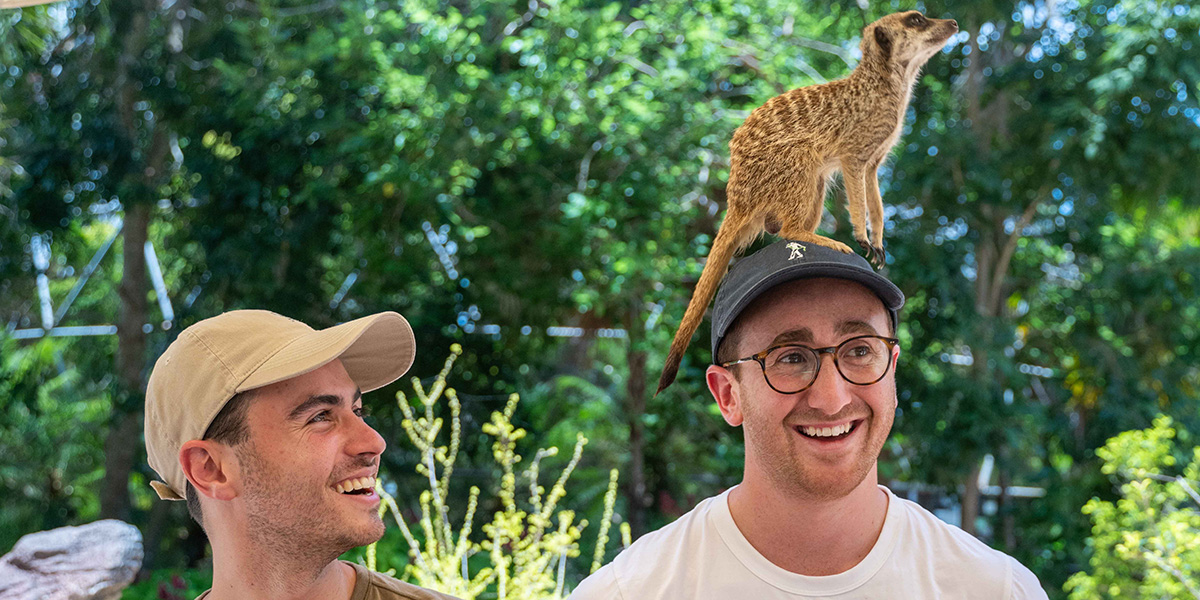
x,y
804,334
320,400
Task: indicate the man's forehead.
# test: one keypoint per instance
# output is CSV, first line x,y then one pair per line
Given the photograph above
x,y
797,309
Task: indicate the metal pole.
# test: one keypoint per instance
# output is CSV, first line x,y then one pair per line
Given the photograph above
x,y
87,273
160,287
41,260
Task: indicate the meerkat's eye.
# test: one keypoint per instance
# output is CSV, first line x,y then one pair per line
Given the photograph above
x,y
916,20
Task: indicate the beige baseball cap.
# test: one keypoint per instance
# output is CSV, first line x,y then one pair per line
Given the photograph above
x,y
225,355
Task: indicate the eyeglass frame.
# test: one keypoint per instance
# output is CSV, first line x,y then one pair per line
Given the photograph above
x,y
761,359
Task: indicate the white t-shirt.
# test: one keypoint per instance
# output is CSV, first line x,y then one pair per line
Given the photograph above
x,y
704,555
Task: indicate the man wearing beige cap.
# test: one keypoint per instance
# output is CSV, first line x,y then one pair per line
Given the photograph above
x,y
256,420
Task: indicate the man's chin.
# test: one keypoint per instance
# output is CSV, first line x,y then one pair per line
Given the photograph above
x,y
830,483
830,490
373,533
361,536
378,534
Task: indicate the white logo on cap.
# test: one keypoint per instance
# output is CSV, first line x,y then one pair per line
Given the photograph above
x,y
797,250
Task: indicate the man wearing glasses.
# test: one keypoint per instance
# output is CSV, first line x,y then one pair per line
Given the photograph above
x,y
804,346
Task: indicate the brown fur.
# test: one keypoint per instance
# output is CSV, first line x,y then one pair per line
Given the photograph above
x,y
782,155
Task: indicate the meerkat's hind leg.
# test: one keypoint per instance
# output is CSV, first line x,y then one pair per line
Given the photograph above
x,y
811,204
875,210
814,217
854,175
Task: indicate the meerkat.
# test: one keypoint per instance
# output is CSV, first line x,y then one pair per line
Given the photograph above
x,y
785,151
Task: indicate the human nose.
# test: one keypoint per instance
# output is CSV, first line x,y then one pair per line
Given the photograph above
x,y
365,440
829,392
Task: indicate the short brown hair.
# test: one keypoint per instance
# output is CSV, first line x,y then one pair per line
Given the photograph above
x,y
228,427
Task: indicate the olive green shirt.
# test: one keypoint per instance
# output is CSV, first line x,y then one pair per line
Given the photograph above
x,y
377,586
370,585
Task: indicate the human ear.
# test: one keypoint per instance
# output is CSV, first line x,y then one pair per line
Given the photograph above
x,y
725,391
209,468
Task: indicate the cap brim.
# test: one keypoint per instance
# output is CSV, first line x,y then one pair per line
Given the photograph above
x,y
376,350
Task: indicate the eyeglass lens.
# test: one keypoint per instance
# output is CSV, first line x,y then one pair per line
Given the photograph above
x,y
860,361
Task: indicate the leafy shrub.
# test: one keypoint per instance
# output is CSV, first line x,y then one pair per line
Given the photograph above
x,y
170,584
525,545
1147,543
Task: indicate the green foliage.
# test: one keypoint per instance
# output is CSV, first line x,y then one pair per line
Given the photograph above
x,y
1147,543
169,584
51,441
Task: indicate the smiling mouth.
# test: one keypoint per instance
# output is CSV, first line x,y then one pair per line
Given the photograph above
x,y
362,486
829,434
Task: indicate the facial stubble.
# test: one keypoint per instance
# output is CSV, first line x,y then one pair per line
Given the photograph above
x,y
288,515
803,476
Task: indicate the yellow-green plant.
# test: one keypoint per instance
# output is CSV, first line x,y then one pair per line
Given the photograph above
x,y
527,543
1147,543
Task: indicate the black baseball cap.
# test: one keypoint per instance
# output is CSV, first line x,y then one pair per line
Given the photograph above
x,y
786,261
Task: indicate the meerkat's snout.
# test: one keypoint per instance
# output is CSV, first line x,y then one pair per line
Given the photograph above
x,y
950,27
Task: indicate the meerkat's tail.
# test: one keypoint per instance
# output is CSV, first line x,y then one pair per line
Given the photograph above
x,y
735,232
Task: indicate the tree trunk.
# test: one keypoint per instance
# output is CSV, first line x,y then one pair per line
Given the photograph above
x,y
970,500
120,448
635,485
1004,508
137,191
985,260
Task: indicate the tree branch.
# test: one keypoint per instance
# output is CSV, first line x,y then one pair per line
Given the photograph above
x,y
748,56
526,17
751,62
585,166
837,51
641,66
1010,245
1162,564
306,10
1181,481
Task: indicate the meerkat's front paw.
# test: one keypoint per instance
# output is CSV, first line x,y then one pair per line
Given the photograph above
x,y
876,256
879,257
865,245
873,253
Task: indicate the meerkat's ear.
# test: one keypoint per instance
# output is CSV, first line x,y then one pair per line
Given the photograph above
x,y
884,41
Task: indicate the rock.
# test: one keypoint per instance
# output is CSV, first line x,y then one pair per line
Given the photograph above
x,y
91,562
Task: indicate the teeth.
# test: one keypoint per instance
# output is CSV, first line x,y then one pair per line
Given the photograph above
x,y
355,484
826,431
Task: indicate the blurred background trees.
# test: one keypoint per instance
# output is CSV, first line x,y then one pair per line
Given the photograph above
x,y
539,181
1144,545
